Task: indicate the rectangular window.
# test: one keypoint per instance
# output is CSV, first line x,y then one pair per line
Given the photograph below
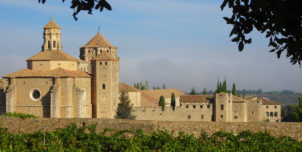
x,y
201,116
189,116
221,116
104,86
187,106
54,44
49,45
222,107
194,106
201,106
276,114
208,106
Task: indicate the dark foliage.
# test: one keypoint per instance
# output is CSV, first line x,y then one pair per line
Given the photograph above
x,y
74,138
85,5
124,108
280,20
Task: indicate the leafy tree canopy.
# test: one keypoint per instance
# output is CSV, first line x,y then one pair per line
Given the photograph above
x,y
86,5
280,20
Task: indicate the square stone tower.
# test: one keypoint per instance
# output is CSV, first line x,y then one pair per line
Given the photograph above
x,y
104,67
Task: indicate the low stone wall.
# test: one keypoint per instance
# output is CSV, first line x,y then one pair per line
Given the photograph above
x,y
16,125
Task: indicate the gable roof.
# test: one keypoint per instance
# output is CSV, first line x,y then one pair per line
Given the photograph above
x,y
52,56
237,99
151,97
269,102
58,72
98,41
52,24
196,98
127,88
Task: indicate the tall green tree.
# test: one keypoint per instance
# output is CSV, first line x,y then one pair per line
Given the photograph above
x,y
224,86
234,91
297,114
124,108
173,103
204,92
162,102
193,91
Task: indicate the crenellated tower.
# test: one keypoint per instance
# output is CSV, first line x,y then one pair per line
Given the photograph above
x,y
104,67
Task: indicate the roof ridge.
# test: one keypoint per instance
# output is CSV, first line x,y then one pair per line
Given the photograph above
x,y
98,41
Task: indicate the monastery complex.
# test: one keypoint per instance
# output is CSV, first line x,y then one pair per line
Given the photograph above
x,y
57,85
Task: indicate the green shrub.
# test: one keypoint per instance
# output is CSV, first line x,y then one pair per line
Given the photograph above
x,y
18,115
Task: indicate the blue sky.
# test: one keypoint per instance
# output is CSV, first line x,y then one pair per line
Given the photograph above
x,y
182,43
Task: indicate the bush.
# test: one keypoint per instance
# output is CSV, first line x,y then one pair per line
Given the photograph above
x,y
19,115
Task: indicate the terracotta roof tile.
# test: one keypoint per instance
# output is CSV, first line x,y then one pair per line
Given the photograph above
x,y
127,88
59,72
52,56
196,98
98,41
52,24
238,99
151,97
269,102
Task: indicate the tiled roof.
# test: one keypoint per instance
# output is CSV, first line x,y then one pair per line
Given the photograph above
x,y
52,24
196,98
52,56
238,99
127,88
151,97
59,72
98,41
269,102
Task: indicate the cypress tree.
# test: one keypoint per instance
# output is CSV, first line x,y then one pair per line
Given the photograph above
x,y
204,92
173,101
224,87
217,89
124,108
193,92
234,92
162,102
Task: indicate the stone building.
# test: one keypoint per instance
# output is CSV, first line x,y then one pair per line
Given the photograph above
x,y
57,85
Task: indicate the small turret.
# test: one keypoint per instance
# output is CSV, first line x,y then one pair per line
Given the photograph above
x,y
52,37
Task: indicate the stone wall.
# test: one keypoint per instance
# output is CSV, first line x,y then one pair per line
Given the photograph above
x,y
292,129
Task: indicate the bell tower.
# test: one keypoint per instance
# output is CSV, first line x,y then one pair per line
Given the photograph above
x,y
52,37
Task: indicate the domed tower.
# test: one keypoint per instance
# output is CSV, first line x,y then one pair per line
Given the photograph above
x,y
105,76
52,37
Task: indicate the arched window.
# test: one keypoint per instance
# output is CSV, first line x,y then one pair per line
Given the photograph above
x,y
271,114
104,86
267,114
49,45
54,44
276,114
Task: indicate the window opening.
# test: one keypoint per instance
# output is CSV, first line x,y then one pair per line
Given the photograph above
x,y
104,86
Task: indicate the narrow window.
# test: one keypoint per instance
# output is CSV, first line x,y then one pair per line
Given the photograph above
x,y
49,45
201,116
100,63
222,107
267,114
105,63
271,114
221,116
104,86
189,116
54,44
194,106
